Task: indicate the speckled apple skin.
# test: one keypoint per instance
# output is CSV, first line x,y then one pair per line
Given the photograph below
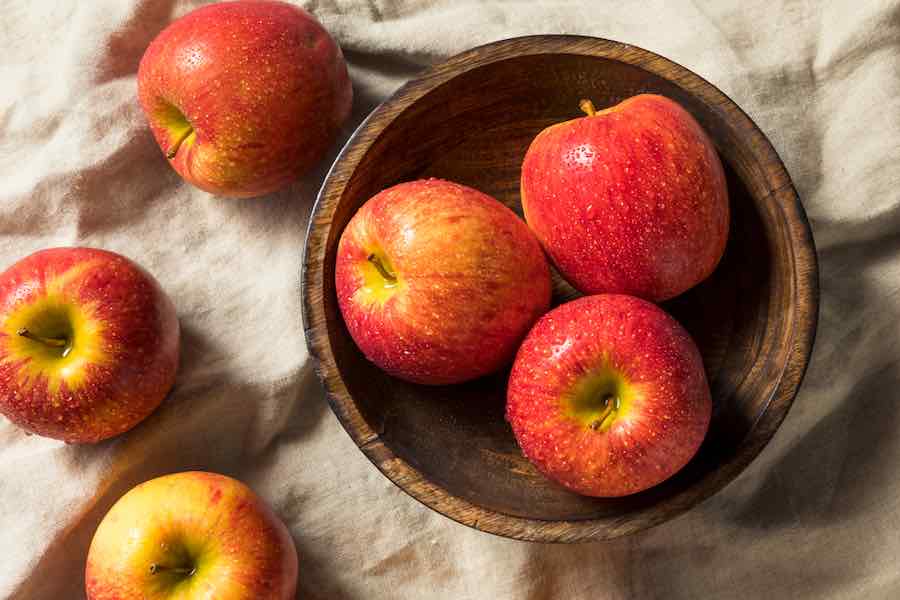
x,y
632,200
241,549
475,281
662,428
125,353
264,86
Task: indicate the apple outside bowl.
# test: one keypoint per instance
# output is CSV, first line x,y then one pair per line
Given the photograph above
x,y
470,120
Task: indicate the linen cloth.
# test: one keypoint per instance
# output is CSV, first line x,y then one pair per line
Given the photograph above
x,y
815,516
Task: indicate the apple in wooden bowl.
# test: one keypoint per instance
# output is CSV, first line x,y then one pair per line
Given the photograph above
x,y
471,120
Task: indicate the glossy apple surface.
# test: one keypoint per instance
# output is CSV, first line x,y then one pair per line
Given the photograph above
x,y
608,396
191,536
245,96
438,282
629,200
89,344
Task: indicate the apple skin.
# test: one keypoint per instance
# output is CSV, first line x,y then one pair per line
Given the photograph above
x,y
124,338
471,280
617,345
631,200
209,523
262,84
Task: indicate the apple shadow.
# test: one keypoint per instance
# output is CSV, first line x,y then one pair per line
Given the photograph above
x,y
105,196
123,187
127,45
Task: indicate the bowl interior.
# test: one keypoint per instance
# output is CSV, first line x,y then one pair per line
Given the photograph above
x,y
474,129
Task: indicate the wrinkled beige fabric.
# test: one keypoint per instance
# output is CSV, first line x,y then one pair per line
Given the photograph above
x,y
815,516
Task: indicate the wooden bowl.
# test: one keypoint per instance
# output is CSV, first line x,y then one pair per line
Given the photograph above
x,y
470,120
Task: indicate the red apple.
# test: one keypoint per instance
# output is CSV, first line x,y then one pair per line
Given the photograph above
x,y
191,536
629,200
88,344
608,396
245,96
438,282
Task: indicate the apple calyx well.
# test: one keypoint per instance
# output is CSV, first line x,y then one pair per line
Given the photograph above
x,y
587,107
611,404
600,399
52,342
383,270
157,568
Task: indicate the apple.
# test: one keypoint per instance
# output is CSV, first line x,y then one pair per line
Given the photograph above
x,y
438,282
608,396
188,536
629,200
245,96
88,344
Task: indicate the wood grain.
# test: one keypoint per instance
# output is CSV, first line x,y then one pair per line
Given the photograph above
x,y
470,119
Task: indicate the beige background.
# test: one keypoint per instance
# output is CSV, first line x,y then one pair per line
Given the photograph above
x,y
816,515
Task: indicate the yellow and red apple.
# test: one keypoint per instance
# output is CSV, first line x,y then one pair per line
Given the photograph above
x,y
244,96
630,200
189,536
88,344
608,396
438,283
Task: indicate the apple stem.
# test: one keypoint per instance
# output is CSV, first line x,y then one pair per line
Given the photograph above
x,y
47,341
587,107
174,149
382,269
156,568
610,403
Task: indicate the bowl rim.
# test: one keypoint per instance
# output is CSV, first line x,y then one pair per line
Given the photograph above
x,y
411,480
